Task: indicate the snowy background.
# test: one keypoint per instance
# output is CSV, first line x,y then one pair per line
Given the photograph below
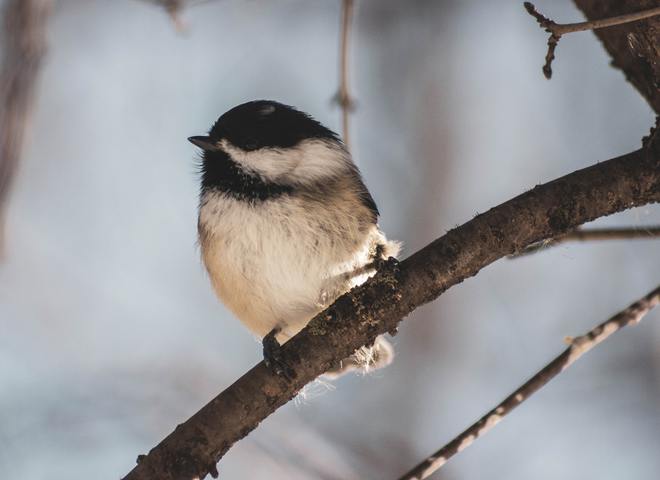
x,y
110,334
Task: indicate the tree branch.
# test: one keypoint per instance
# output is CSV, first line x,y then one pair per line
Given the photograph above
x,y
24,46
579,235
377,306
578,347
556,30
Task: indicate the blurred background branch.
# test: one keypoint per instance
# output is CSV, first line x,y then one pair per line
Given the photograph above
x,y
24,46
578,347
343,96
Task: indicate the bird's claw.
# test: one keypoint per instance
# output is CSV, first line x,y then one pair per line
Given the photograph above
x,y
273,357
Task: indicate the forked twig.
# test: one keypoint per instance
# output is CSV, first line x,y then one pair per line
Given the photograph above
x,y
578,347
556,30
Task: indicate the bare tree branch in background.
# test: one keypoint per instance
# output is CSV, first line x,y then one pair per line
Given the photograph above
x,y
579,235
578,347
343,96
378,305
24,45
556,30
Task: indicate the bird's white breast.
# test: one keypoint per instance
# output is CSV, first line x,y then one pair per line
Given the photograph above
x,y
280,261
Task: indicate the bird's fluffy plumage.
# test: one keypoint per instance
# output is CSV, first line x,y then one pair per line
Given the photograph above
x,y
286,224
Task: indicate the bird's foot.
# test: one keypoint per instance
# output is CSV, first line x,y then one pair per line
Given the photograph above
x,y
387,267
273,357
382,263
391,265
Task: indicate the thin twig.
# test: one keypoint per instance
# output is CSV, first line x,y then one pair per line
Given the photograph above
x,y
24,45
556,30
578,347
343,96
641,233
561,29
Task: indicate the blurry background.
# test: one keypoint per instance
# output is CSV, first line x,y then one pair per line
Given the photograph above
x,y
110,334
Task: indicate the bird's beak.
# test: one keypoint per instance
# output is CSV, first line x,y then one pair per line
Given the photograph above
x,y
203,142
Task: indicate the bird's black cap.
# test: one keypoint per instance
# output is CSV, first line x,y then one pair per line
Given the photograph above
x,y
263,124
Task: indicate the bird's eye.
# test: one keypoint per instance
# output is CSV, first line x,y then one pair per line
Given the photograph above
x,y
250,145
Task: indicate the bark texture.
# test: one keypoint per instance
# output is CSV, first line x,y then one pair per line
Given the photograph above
x,y
377,306
634,47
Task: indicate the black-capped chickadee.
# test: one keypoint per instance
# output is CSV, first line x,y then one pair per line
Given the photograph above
x,y
286,224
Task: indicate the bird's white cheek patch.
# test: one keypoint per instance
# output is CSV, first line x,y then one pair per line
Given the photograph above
x,y
308,162
321,159
269,163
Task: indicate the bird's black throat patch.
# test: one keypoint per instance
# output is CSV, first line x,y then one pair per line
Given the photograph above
x,y
221,173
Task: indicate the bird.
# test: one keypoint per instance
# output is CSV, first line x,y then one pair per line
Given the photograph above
x,y
286,225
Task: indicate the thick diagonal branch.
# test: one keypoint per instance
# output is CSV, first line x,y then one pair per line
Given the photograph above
x,y
578,347
377,306
24,45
